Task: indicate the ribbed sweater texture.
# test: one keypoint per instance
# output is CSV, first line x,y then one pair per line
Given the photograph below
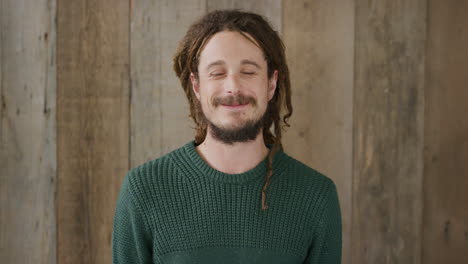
x,y
178,209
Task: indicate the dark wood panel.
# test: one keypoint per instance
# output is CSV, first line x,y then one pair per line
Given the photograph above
x,y
446,135
319,38
27,132
388,131
92,120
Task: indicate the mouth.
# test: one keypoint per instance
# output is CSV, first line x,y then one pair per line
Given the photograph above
x,y
235,106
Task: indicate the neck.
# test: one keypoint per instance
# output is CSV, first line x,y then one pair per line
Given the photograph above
x,y
236,158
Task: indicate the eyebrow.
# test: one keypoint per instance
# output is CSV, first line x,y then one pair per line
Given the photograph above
x,y
243,62
214,63
251,63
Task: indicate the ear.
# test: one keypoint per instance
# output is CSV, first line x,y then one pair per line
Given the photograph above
x,y
272,85
195,85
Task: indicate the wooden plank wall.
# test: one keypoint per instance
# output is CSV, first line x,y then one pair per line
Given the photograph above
x,y
388,131
445,233
378,107
27,131
92,120
319,39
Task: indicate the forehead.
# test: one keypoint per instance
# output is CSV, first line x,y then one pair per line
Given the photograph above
x,y
231,47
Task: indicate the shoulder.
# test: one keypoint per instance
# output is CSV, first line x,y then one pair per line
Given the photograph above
x,y
152,174
307,176
312,189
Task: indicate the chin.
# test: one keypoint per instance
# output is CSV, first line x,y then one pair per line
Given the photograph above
x,y
230,126
228,123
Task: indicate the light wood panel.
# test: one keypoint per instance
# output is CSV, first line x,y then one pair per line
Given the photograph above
x,y
446,135
92,119
27,131
388,131
270,9
319,37
159,111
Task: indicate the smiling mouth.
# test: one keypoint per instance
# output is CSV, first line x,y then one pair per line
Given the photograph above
x,y
235,106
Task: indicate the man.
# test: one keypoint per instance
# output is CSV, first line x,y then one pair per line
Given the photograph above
x,y
232,195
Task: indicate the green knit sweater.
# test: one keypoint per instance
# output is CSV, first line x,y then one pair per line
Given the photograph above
x,y
177,209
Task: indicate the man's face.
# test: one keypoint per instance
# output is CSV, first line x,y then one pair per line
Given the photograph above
x,y
233,86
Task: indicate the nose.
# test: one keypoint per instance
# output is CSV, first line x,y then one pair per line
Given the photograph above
x,y
232,84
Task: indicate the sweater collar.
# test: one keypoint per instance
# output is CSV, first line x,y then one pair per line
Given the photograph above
x,y
256,173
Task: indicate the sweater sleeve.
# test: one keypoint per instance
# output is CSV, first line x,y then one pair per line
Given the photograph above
x,y
131,241
327,242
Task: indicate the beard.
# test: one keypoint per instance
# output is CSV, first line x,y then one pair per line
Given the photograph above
x,y
247,132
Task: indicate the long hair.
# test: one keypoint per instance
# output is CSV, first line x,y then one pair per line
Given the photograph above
x,y
186,62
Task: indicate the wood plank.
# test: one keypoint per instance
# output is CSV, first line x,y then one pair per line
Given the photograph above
x,y
92,123
270,9
388,131
319,37
445,226
159,109
27,131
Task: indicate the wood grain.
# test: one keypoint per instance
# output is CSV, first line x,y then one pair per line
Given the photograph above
x,y
319,38
388,131
270,9
92,119
159,111
446,135
27,131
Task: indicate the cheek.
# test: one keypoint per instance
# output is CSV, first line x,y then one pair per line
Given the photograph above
x,y
206,97
263,104
263,96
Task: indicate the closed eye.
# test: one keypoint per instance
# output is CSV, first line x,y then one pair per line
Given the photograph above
x,y
216,74
248,73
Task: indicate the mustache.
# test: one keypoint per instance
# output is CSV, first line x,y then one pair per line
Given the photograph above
x,y
234,100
